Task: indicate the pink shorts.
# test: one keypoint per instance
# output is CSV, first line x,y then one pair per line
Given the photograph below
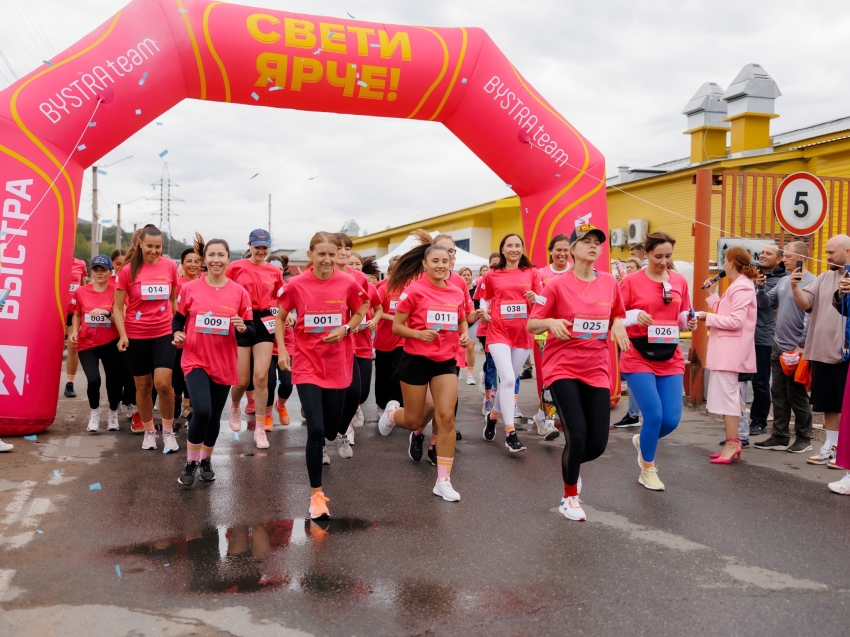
x,y
724,397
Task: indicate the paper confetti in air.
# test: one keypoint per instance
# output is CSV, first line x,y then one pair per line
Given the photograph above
x,y
509,186
118,571
354,66
350,16
138,111
47,63
95,487
166,565
159,123
362,83
252,177
275,88
101,172
181,11
331,34
255,96
56,473
463,81
29,438
557,174
317,51
81,147
236,436
357,75
92,124
312,178
163,153
138,315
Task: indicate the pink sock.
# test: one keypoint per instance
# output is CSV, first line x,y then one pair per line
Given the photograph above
x,y
206,452
444,467
420,431
391,416
167,425
148,426
193,452
509,429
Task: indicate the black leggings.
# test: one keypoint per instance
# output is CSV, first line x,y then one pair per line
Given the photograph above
x,y
352,396
284,389
111,358
323,412
365,365
178,380
208,400
585,412
387,385
128,383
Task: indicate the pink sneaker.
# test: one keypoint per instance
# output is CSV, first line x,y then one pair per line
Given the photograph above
x,y
249,408
260,438
235,417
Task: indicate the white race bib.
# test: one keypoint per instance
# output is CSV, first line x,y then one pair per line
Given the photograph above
x,y
440,320
274,311
269,322
74,287
155,291
322,322
663,332
393,305
590,328
511,311
97,321
210,324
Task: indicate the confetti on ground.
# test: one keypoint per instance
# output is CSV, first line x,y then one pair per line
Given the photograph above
x,y
81,147
47,63
118,571
159,123
95,487
362,83
350,16
253,177
255,96
39,531
56,473
275,88
236,436
29,437
166,565
138,111
92,124
101,172
163,153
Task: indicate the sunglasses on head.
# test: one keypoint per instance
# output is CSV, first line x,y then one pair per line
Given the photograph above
x,y
666,292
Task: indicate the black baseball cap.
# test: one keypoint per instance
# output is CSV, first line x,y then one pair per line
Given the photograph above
x,y
101,260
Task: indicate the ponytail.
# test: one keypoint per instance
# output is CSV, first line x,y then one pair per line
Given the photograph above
x,y
134,254
409,265
201,246
370,267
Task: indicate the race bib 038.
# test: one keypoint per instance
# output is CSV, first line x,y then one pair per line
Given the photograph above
x,y
511,311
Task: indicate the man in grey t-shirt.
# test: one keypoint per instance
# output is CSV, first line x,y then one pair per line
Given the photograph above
x,y
792,326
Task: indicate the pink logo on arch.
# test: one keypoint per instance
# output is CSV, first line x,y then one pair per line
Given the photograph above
x,y
13,364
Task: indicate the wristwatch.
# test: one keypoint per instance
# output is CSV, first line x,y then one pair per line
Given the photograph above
x,y
347,329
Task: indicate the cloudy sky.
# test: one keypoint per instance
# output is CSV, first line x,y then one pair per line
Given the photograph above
x,y
620,71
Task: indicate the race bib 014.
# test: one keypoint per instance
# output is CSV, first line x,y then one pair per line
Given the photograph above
x,y
155,291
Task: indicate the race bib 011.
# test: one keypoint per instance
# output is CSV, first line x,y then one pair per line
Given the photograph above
x,y
211,324
663,332
510,311
317,323
441,321
592,328
155,291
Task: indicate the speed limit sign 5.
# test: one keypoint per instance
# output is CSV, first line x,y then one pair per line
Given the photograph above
x,y
800,204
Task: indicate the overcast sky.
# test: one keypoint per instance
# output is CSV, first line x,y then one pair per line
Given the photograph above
x,y
619,71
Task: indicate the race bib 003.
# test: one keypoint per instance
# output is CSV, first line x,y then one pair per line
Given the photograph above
x,y
439,320
663,332
155,291
593,328
212,324
97,321
318,323
511,311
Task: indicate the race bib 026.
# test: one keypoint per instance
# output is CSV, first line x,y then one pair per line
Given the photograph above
x,y
155,291
511,311
97,321
439,320
663,332
593,328
317,323
212,324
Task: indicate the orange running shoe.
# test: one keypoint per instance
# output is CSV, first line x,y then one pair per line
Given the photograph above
x,y
281,412
268,423
137,427
318,508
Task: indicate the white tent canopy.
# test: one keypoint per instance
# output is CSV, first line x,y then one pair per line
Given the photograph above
x,y
463,259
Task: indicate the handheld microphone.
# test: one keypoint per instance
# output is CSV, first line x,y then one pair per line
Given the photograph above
x,y
714,279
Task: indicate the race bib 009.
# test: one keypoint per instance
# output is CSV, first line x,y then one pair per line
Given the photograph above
x,y
155,291
593,328
212,324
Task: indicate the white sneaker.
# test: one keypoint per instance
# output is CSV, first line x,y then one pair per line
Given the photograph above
x,y
260,437
841,487
470,379
5,446
517,412
112,421
326,458
444,489
571,509
546,428
149,441
488,406
481,382
357,421
94,421
384,424
169,442
343,447
349,434
235,419
578,486
827,452
380,413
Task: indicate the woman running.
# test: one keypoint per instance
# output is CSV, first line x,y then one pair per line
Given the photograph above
x,y
211,311
505,300
466,274
147,284
657,306
128,387
96,339
78,278
579,309
279,379
388,347
431,317
329,305
264,283
191,262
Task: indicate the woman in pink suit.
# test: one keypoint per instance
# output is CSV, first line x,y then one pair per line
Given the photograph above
x,y
731,346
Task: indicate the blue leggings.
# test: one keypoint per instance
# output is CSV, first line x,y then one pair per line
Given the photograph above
x,y
660,402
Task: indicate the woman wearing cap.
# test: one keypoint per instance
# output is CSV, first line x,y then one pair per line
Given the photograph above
x,y
431,317
264,283
580,309
147,284
507,292
191,263
96,338
211,311
328,305
657,306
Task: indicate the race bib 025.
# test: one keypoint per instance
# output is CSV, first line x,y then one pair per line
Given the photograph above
x,y
593,328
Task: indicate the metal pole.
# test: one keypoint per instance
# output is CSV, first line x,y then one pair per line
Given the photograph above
x,y
118,229
94,219
702,249
270,213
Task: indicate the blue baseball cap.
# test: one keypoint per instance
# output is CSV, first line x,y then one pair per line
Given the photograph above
x,y
259,238
101,260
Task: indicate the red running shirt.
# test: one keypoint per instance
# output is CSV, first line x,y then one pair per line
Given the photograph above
x,y
94,330
210,336
459,282
363,336
545,275
322,306
639,292
476,296
509,309
147,312
385,340
78,271
263,282
432,307
591,307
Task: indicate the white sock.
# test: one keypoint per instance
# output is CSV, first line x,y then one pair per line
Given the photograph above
x,y
832,438
96,412
113,412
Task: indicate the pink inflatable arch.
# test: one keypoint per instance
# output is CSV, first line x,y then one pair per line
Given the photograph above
x,y
61,118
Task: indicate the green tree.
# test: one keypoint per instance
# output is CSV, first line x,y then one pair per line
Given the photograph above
x,y
82,245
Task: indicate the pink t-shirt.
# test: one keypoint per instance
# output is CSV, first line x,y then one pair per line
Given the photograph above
x,y
509,309
591,307
94,331
363,336
477,296
322,306
544,275
210,335
263,282
639,292
432,307
459,282
78,271
147,312
385,340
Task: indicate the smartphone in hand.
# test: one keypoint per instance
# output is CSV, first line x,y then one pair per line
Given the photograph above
x,y
799,265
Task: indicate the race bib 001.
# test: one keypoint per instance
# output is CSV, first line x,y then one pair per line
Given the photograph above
x,y
212,324
97,321
439,320
155,291
663,332
593,328
511,311
317,323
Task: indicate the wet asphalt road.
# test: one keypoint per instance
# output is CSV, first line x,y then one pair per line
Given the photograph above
x,y
758,548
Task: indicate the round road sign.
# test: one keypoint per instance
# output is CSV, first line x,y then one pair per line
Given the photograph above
x,y
800,204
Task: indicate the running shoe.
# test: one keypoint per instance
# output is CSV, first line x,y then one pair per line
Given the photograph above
x,y
517,412
513,444
481,387
112,421
169,442
349,433
545,428
384,424
636,443
94,421
489,428
343,447
69,390
488,406
250,408
800,446
326,457
470,379
268,423
414,448
149,441
444,489
772,444
380,412
358,419
186,409
319,507
235,417
260,438
649,479
5,446
627,421
458,435
137,426
826,453
187,477
571,509
842,487
831,465
282,414
206,473
432,455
